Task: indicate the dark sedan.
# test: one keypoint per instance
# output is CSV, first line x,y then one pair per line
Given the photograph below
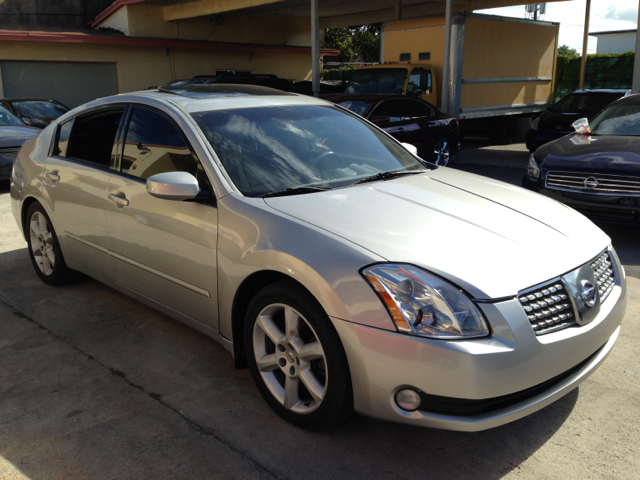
x,y
596,172
13,133
556,121
36,112
434,133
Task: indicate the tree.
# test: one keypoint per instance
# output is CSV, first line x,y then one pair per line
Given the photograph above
x,y
567,51
357,43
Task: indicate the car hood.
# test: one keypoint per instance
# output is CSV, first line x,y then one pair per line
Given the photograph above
x,y
490,238
15,135
610,154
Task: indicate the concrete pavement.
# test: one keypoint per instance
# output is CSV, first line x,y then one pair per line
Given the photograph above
x,y
96,385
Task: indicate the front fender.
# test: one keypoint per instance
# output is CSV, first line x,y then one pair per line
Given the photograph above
x,y
253,237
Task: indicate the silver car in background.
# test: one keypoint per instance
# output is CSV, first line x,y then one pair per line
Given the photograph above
x,y
344,271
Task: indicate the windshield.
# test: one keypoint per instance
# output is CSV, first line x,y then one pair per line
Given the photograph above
x,y
377,80
585,102
359,107
7,118
621,119
269,149
39,109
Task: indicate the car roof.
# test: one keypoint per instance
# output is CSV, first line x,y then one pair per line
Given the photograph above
x,y
218,96
621,91
633,99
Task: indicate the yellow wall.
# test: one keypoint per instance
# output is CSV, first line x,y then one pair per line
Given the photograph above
x,y
142,67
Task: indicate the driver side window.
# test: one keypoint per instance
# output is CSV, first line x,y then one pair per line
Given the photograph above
x,y
154,145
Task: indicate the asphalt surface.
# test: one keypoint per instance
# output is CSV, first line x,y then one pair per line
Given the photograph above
x,y
96,385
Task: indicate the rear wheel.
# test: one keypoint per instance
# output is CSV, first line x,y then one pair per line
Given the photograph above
x,y
296,357
44,248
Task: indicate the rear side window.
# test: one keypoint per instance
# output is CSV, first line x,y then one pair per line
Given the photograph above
x,y
412,109
154,145
388,108
63,138
92,137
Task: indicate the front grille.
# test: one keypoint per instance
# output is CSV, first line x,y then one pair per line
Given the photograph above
x,y
605,276
548,307
600,183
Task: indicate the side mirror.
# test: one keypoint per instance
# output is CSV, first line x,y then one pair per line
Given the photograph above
x,y
410,148
380,119
582,126
173,186
416,92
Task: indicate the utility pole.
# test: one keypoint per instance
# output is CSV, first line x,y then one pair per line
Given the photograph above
x,y
584,44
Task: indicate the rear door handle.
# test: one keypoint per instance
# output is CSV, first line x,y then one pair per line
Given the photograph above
x,y
401,129
53,176
118,200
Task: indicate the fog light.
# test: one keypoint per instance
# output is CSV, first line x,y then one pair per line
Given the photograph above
x,y
408,400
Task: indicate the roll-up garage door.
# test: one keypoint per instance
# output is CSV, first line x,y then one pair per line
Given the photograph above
x,y
72,83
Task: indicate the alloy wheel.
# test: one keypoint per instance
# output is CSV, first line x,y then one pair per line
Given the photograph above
x,y
42,246
290,358
441,152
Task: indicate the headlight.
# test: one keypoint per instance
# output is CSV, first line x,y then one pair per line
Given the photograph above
x,y
533,170
422,304
535,124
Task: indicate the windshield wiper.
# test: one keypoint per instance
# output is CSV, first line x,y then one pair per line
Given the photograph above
x,y
386,176
293,191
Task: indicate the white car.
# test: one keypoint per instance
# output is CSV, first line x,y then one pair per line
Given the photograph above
x,y
347,273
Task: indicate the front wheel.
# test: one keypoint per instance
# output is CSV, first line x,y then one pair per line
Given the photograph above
x,y
441,151
296,357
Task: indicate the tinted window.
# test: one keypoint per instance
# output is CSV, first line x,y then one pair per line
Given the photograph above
x,y
269,149
412,109
388,108
92,137
585,102
415,79
63,138
356,106
154,145
7,118
39,109
377,80
621,119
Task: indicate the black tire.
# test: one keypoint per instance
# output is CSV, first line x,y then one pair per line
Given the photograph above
x,y
442,151
337,402
59,273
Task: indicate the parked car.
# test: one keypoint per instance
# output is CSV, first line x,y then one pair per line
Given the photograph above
x,y
556,121
596,172
36,112
434,133
13,133
345,272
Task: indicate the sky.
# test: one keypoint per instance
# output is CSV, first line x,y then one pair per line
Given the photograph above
x,y
606,15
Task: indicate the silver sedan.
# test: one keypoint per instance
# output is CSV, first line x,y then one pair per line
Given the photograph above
x,y
344,271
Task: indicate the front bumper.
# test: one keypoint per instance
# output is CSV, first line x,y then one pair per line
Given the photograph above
x,y
511,363
599,208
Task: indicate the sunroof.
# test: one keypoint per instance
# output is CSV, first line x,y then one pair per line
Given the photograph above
x,y
191,90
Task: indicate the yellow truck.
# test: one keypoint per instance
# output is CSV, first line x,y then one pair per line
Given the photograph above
x,y
501,69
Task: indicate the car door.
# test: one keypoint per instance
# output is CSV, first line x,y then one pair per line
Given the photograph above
x,y
162,249
75,184
420,125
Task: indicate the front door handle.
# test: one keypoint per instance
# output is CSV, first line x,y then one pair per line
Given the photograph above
x,y
401,129
53,176
118,200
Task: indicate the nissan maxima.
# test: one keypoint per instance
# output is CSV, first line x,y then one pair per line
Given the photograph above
x,y
344,271
595,170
